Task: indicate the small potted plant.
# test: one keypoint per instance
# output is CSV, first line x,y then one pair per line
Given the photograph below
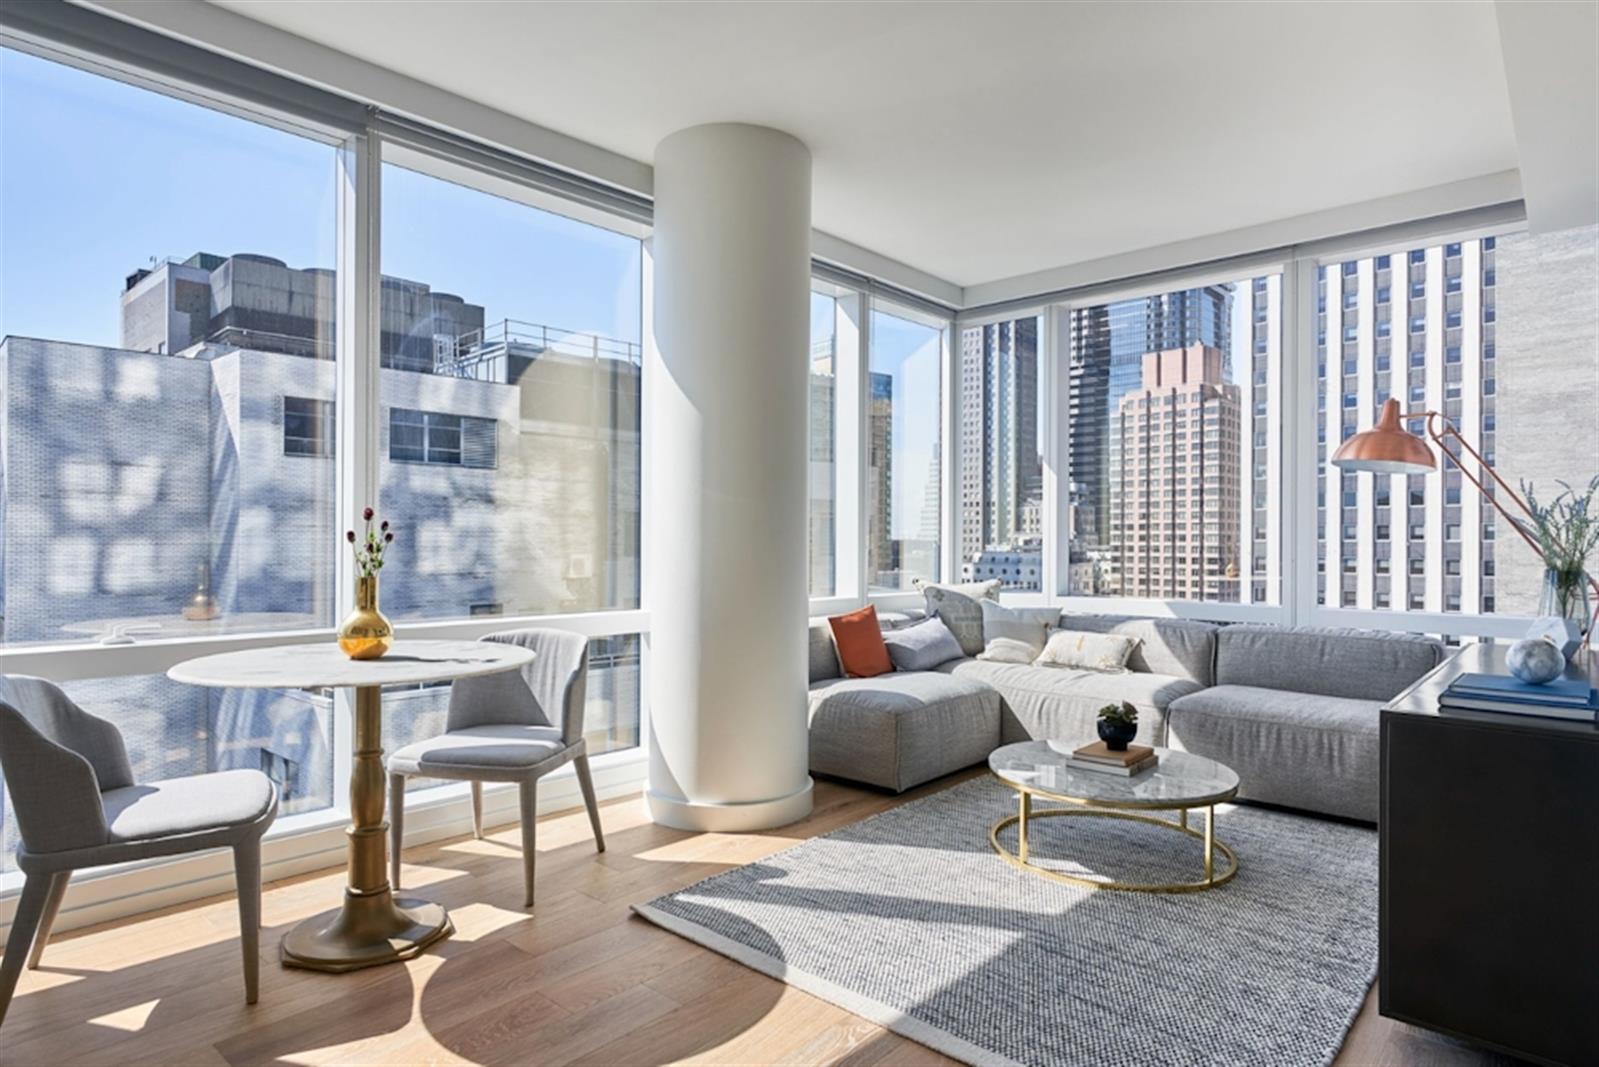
x,y
1118,723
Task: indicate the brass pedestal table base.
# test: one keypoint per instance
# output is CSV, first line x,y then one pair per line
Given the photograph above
x,y
371,927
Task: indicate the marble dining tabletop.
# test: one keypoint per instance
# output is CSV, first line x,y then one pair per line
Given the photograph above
x,y
315,666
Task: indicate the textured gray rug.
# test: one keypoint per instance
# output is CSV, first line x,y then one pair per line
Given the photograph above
x,y
910,920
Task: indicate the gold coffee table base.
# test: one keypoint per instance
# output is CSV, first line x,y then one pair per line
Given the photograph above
x,y
365,932
1212,878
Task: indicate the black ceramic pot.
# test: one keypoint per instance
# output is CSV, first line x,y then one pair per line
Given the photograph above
x,y
1117,734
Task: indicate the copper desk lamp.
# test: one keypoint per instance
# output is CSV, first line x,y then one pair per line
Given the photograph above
x,y
1389,448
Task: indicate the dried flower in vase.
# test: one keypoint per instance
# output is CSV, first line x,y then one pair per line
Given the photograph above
x,y
370,545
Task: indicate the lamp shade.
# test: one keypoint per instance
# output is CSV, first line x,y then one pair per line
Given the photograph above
x,y
1386,448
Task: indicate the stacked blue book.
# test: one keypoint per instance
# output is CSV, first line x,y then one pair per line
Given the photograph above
x,y
1563,698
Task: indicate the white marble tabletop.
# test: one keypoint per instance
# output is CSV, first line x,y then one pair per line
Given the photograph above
x,y
1180,779
315,666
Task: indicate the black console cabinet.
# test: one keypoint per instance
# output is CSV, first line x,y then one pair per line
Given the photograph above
x,y
1490,872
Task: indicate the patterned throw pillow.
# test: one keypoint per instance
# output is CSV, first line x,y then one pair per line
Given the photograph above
x,y
1015,635
1087,651
960,606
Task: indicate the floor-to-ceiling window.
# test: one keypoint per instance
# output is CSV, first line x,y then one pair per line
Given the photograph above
x,y
1175,443
904,464
509,393
1497,334
821,447
1000,454
167,397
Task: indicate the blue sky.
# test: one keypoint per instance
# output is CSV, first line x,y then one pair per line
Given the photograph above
x,y
97,177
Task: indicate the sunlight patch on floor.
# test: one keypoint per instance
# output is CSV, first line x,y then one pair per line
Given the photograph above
x,y
474,921
130,1019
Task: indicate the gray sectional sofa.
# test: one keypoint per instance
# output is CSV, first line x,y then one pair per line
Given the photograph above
x,y
1294,711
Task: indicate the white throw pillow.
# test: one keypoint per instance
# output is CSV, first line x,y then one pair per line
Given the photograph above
x,y
1008,650
1012,632
1086,651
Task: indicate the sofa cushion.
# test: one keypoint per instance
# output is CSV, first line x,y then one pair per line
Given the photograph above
x,y
902,729
822,655
1352,664
1301,750
960,606
1005,628
900,618
922,647
1183,648
859,640
1060,704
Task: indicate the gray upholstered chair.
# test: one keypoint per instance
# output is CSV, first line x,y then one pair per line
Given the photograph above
x,y
512,727
78,806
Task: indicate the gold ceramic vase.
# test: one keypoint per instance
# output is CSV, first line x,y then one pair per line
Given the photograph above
x,y
366,632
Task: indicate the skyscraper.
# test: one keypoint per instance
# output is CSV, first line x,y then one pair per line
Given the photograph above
x,y
1108,345
1175,490
1001,468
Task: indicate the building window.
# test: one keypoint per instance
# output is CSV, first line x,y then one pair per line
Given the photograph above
x,y
1001,457
822,437
1158,511
442,438
904,490
307,426
151,457
1465,374
512,363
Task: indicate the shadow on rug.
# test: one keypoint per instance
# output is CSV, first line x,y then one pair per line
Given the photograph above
x,y
910,920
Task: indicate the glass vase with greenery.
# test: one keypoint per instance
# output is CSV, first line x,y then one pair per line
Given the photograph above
x,y
1567,532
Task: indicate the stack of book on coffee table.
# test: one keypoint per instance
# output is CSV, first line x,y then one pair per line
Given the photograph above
x,y
1563,698
1099,757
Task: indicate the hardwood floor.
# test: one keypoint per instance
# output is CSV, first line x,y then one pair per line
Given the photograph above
x,y
579,981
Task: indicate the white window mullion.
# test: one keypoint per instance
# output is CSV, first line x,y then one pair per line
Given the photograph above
x,y
358,409
850,457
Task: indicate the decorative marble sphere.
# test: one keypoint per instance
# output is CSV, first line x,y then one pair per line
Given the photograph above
x,y
1535,660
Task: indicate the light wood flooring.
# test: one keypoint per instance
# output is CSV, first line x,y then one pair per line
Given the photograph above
x,y
579,981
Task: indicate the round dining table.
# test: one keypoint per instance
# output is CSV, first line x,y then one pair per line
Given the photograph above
x,y
371,926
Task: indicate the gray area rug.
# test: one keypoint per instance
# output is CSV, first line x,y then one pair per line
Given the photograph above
x,y
910,920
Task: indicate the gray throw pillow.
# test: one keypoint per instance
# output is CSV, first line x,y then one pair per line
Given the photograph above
x,y
1011,633
921,647
960,606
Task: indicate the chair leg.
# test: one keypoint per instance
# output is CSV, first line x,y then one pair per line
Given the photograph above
x,y
396,827
585,782
530,828
477,810
247,882
52,905
30,908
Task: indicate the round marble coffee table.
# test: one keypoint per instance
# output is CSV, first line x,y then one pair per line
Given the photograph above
x,y
1180,781
371,927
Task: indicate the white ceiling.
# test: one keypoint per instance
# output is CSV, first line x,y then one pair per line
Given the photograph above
x,y
981,141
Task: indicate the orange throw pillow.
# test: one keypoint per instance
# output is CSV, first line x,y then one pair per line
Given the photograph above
x,y
861,651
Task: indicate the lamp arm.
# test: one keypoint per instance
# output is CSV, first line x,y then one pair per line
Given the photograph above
x,y
1434,420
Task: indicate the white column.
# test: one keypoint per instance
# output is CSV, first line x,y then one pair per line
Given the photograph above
x,y
726,460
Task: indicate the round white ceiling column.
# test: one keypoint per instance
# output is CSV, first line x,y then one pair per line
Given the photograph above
x,y
725,462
